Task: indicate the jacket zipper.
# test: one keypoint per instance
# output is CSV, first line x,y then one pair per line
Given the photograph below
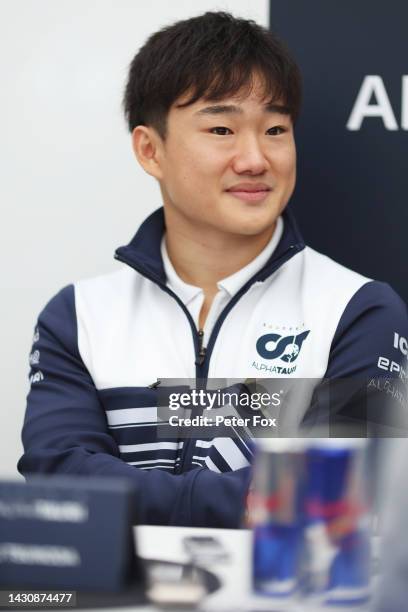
x,y
204,355
189,443
201,348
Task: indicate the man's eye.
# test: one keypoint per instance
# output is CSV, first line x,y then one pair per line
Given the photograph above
x,y
276,130
220,131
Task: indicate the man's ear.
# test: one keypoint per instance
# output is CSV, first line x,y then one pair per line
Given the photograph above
x,y
148,146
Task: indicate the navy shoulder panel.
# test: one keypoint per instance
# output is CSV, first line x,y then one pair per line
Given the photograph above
x,y
58,317
371,335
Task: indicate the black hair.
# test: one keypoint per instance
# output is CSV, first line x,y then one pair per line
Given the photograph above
x,y
212,56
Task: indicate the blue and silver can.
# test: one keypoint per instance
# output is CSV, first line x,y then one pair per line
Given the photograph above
x,y
337,521
275,514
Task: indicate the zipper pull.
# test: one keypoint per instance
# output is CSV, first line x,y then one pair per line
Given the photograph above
x,y
154,385
201,348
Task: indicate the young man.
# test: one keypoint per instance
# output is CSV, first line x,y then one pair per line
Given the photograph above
x,y
216,284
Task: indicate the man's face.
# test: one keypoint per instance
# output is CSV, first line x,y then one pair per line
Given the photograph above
x,y
228,165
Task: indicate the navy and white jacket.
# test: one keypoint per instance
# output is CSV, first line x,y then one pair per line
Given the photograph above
x,y
101,343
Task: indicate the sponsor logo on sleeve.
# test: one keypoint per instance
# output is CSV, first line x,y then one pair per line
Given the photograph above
x,y
398,366
36,377
34,358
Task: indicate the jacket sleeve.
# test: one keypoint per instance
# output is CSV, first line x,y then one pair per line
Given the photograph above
x,y
365,383
65,432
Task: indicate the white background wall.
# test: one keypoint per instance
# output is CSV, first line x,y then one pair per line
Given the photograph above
x,y
70,189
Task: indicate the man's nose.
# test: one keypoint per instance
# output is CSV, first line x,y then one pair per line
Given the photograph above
x,y
249,156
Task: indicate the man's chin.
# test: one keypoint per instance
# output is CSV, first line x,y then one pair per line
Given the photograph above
x,y
251,222
246,227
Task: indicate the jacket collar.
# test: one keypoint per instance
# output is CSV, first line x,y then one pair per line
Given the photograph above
x,y
143,251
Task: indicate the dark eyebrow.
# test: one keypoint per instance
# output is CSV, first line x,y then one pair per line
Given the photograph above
x,y
223,109
220,109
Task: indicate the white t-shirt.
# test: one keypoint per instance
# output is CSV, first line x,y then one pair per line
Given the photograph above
x,y
193,297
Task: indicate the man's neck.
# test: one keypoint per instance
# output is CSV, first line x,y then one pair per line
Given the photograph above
x,y
204,258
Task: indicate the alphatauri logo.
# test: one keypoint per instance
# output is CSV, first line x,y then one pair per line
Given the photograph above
x,y
276,347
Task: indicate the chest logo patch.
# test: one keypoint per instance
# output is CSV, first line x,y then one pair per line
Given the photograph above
x,y
285,348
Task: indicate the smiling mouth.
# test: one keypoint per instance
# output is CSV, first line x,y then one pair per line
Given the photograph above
x,y
250,195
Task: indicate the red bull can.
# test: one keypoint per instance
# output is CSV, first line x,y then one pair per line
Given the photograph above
x,y
337,521
275,514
